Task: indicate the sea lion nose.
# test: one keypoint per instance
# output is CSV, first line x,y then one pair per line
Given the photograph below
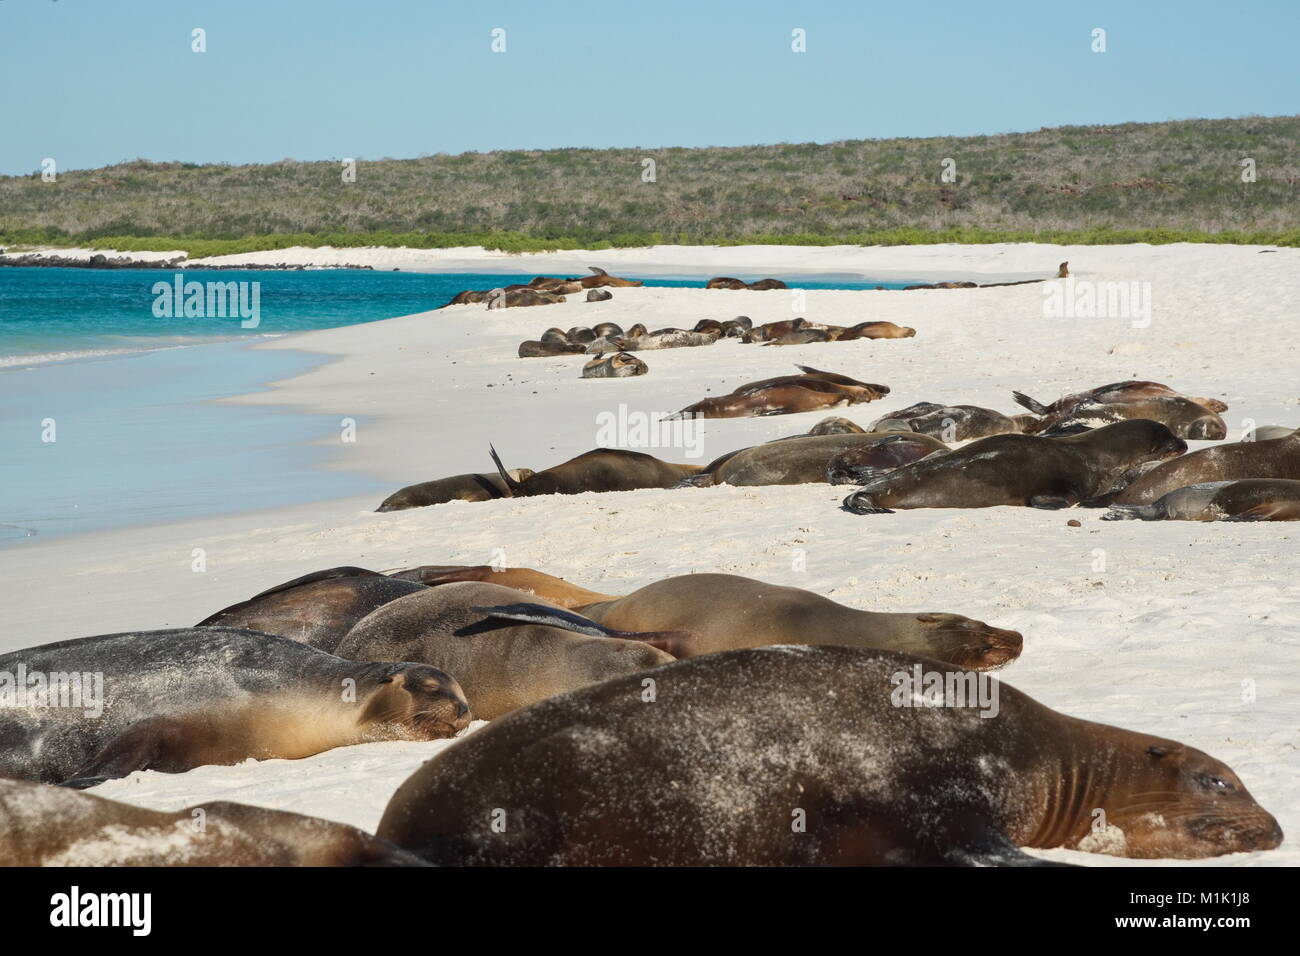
x,y
462,708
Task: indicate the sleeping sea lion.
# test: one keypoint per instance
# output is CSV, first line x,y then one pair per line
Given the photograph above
x,y
1252,499
804,459
601,469
176,699
42,825
1020,470
546,586
1273,458
950,423
876,330
1113,394
1185,418
456,488
614,365
707,613
812,756
316,609
504,663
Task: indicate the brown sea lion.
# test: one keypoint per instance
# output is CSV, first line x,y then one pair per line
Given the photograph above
x,y
725,282
787,394
580,335
605,330
765,285
1113,394
854,466
1185,418
876,330
518,298
456,488
1252,499
601,469
805,336
174,700
806,459
694,614
42,825
600,278
537,349
736,328
835,425
503,663
812,756
950,423
1020,470
614,365
772,330
467,297
1275,458
316,609
708,325
546,586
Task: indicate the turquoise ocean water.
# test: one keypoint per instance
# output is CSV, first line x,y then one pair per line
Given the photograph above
x,y
126,394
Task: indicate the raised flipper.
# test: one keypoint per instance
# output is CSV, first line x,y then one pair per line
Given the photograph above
x,y
1024,401
513,485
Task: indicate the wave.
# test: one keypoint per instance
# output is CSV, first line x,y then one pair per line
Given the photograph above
x,y
32,359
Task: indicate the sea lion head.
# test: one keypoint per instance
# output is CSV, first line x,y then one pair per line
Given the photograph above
x,y
1134,441
1209,428
426,703
969,644
1182,803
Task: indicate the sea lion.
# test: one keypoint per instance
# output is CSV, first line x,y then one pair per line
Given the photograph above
x,y
605,330
600,278
580,335
1185,418
787,394
614,365
951,285
176,699
316,609
601,469
876,330
1020,470
503,664
1063,271
707,613
859,464
536,349
725,282
805,336
772,330
1273,458
812,756
1113,394
546,586
835,425
42,825
520,297
467,297
599,295
1253,499
666,339
804,459
708,325
950,423
764,285
456,488
636,331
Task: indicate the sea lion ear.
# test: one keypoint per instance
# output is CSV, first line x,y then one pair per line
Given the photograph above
x,y
1157,751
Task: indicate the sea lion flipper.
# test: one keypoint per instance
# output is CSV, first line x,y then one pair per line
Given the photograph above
x,y
144,745
1024,401
598,271
532,614
860,503
1052,502
513,485
1265,511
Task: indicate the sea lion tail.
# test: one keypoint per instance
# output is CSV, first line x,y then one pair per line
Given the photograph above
x,y
854,475
513,485
1024,401
1131,512
860,503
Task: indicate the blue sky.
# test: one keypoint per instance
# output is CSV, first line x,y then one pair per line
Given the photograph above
x,y
91,82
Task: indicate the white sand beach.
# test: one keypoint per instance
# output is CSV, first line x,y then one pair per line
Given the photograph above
x,y
1186,630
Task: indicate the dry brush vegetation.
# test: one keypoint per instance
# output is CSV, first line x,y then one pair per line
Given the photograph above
x,y
1154,181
